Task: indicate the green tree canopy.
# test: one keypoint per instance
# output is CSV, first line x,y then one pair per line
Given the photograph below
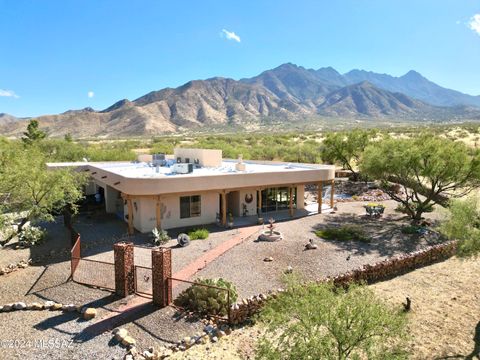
x,y
431,170
28,189
33,133
346,148
463,225
319,322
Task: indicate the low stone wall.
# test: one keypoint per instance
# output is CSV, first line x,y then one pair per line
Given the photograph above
x,y
369,274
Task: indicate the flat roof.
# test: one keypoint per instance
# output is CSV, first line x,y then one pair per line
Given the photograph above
x,y
144,170
142,178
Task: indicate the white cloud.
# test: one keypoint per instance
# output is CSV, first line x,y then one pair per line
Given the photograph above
x,y
474,23
90,94
8,93
230,35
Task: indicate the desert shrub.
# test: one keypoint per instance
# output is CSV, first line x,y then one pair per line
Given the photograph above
x,y
31,235
160,237
343,233
463,225
198,234
318,321
413,229
206,300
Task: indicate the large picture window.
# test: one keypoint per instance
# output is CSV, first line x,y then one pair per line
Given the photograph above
x,y
190,206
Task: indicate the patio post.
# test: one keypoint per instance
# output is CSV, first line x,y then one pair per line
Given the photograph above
x,y
259,203
130,216
124,268
161,275
320,196
158,214
290,197
224,208
332,193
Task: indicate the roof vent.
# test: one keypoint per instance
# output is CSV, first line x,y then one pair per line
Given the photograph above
x,y
240,166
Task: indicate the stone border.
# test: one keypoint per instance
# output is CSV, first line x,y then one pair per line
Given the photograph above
x,y
87,313
369,273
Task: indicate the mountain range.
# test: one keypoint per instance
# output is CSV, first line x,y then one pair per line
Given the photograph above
x,y
286,94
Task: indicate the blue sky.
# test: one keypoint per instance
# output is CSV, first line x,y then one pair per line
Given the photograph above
x,y
70,54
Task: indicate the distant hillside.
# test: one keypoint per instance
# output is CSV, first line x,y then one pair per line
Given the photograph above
x,y
286,94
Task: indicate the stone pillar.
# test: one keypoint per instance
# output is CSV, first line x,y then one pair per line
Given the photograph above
x,y
161,272
124,268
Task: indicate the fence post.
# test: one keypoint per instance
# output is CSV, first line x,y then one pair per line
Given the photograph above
x,y
161,272
124,268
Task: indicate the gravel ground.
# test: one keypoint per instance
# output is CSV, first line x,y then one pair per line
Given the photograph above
x,y
329,259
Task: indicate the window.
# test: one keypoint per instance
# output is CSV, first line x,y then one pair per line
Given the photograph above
x,y
190,206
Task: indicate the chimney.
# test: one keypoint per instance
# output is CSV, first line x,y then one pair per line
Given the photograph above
x,y
240,166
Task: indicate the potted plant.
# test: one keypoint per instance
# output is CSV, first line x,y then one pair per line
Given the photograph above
x,y
230,220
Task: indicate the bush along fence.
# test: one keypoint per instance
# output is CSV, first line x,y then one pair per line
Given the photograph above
x,y
369,273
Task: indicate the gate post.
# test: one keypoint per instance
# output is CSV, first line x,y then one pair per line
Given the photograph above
x,y
161,272
124,268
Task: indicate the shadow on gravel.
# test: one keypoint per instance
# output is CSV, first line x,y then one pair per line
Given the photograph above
x,y
385,232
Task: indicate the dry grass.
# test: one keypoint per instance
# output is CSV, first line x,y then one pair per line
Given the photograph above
x,y
445,307
445,312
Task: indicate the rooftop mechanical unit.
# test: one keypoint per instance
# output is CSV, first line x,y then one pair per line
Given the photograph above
x,y
182,168
159,160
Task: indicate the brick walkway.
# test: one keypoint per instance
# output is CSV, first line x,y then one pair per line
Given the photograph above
x,y
191,269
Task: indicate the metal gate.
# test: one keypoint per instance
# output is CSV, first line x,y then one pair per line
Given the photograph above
x,y
143,280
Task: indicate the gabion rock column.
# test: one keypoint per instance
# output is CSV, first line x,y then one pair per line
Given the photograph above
x,y
161,271
124,268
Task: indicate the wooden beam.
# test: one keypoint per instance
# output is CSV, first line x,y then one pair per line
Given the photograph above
x,y
332,193
130,216
224,208
158,214
319,196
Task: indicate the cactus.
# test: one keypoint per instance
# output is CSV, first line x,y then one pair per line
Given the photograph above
x,y
207,300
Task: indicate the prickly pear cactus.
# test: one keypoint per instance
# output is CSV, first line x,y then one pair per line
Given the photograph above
x,y
206,300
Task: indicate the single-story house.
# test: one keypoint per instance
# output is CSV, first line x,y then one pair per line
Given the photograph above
x,y
197,186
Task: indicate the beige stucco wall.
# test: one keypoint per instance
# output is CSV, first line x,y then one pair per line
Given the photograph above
x,y
144,219
206,157
252,207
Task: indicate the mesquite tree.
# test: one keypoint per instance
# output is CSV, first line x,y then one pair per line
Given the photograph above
x,y
346,148
31,191
431,170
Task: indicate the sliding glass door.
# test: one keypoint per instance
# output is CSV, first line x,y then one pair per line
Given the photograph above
x,y
276,199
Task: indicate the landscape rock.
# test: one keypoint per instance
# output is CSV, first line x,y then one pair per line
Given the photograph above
x,y
89,313
128,340
268,259
20,305
120,334
7,307
56,306
48,304
36,306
